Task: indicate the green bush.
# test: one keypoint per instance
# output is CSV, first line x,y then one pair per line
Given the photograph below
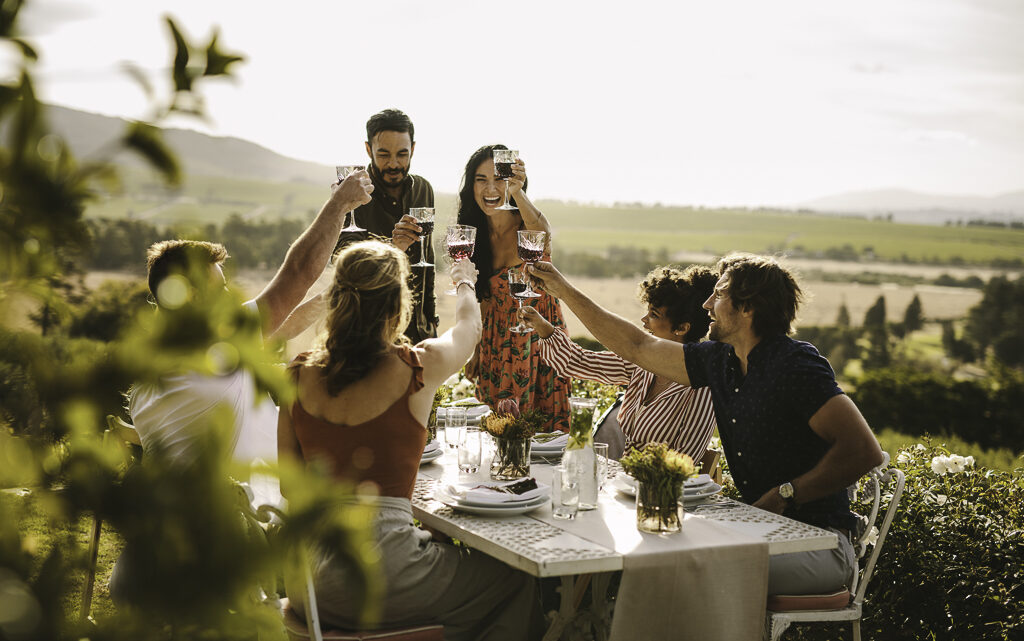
x,y
953,563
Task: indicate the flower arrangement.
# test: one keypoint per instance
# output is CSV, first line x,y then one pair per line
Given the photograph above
x,y
659,472
512,431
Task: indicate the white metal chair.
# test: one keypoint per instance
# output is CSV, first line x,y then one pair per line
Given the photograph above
x,y
846,605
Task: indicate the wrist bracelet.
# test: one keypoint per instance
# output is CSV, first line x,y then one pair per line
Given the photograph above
x,y
466,281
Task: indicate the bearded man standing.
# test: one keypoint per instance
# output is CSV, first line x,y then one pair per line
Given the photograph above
x,y
390,143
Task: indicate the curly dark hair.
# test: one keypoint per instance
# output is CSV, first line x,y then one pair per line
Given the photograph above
x,y
682,294
389,120
471,214
761,284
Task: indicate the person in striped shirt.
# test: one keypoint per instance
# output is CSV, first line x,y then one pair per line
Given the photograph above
x,y
654,408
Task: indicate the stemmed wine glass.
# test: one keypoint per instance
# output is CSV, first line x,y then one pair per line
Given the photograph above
x,y
518,283
460,242
425,219
344,171
531,249
503,161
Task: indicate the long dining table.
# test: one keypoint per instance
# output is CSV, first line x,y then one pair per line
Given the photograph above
x,y
708,581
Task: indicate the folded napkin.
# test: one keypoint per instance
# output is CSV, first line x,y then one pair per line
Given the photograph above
x,y
697,481
550,441
486,493
431,446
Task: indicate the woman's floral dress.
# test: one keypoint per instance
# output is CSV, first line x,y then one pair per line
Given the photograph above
x,y
510,365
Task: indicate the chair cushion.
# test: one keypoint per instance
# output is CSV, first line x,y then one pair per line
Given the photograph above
x,y
791,603
295,627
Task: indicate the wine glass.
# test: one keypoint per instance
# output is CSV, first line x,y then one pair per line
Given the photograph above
x,y
503,161
518,283
425,219
460,241
531,249
344,171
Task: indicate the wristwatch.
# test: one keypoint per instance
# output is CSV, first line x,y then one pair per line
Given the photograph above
x,y
786,492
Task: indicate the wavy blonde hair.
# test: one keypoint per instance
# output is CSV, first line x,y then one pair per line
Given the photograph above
x,y
368,308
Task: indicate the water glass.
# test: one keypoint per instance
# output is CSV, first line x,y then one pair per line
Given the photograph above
x,y
565,493
455,426
601,450
469,450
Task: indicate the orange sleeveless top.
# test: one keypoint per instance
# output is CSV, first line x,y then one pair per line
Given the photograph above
x,y
385,450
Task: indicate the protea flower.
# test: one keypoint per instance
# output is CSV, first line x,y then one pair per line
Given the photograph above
x,y
508,406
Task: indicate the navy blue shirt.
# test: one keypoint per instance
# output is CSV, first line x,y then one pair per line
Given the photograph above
x,y
763,417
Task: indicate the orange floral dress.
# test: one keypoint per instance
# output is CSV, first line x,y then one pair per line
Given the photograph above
x,y
510,364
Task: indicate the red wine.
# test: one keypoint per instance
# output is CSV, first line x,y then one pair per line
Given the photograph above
x,y
530,255
426,226
517,289
503,169
460,251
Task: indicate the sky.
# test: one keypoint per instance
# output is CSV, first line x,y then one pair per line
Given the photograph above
x,y
705,103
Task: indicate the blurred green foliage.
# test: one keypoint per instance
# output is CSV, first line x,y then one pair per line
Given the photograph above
x,y
188,533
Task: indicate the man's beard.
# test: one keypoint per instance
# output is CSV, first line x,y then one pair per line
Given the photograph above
x,y
715,334
391,176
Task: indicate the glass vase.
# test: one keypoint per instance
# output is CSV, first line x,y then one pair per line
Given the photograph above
x,y
511,459
659,507
579,458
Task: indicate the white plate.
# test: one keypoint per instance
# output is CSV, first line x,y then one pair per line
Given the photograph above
x,y
701,492
492,510
697,481
431,446
626,485
431,456
537,449
496,499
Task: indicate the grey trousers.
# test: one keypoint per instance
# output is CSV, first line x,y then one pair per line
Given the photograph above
x,y
816,572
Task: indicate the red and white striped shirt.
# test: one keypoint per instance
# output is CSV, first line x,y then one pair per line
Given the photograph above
x,y
681,416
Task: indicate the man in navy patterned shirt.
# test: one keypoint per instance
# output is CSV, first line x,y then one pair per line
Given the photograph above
x,y
794,441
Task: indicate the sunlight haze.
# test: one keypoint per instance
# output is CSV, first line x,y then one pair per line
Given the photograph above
x,y
726,103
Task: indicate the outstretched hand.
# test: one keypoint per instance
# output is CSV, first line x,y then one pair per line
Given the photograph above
x,y
550,279
532,317
518,179
353,192
464,270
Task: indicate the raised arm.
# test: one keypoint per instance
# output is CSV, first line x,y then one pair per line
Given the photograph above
x,y
532,217
854,451
308,255
301,317
570,359
446,354
663,357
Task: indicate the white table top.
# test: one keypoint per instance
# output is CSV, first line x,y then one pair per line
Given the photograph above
x,y
596,540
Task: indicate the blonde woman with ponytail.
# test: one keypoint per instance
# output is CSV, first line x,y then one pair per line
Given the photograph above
x,y
363,399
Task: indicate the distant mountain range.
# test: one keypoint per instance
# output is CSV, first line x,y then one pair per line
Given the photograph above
x,y
910,206
198,153
202,154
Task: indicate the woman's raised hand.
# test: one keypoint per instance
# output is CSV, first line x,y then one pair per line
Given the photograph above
x,y
464,270
532,317
518,179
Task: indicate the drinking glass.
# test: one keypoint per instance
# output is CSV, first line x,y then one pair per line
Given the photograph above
x,y
425,219
503,161
455,426
344,171
518,283
565,493
601,450
469,451
531,249
460,241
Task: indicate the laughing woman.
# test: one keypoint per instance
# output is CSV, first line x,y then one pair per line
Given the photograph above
x,y
507,364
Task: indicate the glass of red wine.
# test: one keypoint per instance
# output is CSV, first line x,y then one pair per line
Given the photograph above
x,y
503,161
460,241
344,171
518,285
425,219
531,249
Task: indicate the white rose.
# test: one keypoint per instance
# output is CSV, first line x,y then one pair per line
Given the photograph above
x,y
452,380
939,465
970,461
956,463
903,457
871,537
919,446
